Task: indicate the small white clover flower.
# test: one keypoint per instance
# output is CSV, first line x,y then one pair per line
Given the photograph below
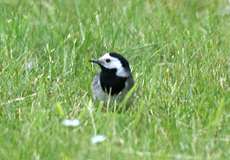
x,y
98,139
71,122
29,65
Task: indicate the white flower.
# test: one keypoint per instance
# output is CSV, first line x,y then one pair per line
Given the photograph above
x,y
71,122
30,64
225,10
98,139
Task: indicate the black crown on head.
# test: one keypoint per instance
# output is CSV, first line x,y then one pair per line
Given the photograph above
x,y
122,59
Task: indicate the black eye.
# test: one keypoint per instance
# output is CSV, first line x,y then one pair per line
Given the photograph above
x,y
108,60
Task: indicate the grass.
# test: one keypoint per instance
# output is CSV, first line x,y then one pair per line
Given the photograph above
x,y
180,56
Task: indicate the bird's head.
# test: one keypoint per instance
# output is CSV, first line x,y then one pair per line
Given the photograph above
x,y
114,61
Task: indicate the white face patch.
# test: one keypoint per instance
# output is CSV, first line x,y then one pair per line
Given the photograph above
x,y
111,62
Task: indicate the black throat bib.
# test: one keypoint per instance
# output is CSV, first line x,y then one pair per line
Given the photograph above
x,y
110,82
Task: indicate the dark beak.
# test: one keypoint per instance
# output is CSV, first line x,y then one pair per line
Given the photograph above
x,y
95,61
100,63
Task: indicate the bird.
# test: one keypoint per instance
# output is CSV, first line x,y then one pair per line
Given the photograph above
x,y
115,78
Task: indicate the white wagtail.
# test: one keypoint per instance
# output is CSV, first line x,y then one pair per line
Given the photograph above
x,y
115,78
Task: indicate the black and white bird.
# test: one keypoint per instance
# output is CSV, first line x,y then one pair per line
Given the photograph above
x,y
115,78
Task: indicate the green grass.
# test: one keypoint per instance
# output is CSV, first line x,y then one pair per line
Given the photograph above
x,y
179,51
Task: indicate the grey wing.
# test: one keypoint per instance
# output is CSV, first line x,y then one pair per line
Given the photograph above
x,y
129,83
95,85
97,90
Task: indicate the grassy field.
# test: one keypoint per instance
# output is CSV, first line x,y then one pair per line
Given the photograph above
x,y
179,51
